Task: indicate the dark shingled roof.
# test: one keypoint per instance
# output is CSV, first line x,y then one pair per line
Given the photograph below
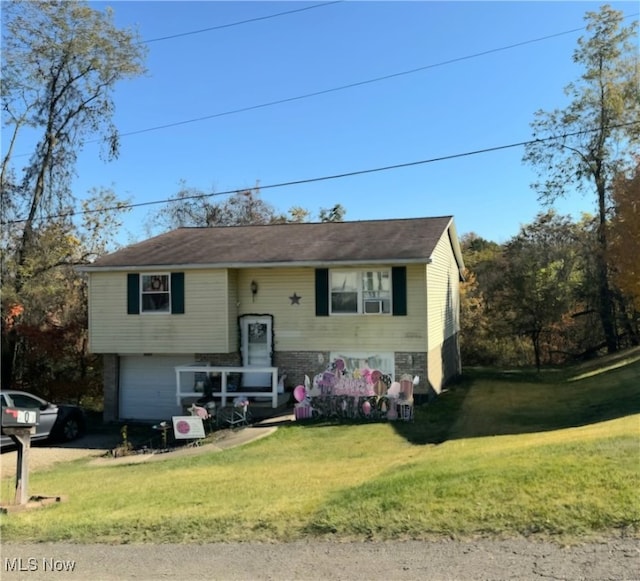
x,y
403,240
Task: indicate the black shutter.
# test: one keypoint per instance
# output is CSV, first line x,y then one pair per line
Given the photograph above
x,y
177,293
322,292
399,290
133,293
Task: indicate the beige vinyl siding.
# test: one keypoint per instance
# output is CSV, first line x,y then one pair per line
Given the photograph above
x,y
214,299
297,328
442,293
443,306
435,368
203,328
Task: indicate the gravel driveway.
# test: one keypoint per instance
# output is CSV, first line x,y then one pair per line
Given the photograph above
x,y
44,455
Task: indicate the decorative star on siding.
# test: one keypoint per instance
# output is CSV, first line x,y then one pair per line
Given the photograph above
x,y
295,299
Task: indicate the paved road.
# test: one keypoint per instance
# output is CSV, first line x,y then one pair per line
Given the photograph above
x,y
482,560
513,560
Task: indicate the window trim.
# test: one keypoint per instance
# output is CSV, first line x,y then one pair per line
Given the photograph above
x,y
177,294
360,292
168,292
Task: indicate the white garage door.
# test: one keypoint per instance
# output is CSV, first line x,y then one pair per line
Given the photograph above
x,y
148,386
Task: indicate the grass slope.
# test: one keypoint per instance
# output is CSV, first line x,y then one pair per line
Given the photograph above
x,y
554,454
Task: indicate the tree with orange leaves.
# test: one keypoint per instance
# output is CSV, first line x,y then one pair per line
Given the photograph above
x,y
624,255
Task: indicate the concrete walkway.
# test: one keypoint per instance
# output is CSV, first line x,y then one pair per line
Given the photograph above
x,y
96,446
231,439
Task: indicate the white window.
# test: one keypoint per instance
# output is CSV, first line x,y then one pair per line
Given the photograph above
x,y
156,293
365,292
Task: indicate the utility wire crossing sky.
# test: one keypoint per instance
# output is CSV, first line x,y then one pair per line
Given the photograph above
x,y
306,89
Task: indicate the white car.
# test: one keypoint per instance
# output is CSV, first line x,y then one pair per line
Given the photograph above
x,y
57,422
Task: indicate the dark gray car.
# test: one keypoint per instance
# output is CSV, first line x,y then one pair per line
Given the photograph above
x,y
57,422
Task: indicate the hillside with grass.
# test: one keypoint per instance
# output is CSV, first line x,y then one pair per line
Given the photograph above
x,y
554,455
490,402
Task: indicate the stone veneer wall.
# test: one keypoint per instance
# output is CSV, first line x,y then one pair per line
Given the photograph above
x,y
413,363
297,364
220,359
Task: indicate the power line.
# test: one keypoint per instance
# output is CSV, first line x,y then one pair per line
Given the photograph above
x,y
238,23
324,91
348,86
343,87
333,176
339,88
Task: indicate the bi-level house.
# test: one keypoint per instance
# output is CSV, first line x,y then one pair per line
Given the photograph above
x,y
292,297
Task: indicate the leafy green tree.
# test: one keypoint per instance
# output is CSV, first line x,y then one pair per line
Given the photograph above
x,y
482,333
541,270
597,133
583,337
298,214
481,257
508,287
44,327
193,207
61,61
334,214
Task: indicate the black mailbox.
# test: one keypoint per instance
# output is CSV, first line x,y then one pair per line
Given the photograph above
x,y
19,417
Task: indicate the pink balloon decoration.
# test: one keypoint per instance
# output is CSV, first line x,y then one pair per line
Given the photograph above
x,y
366,408
299,392
394,390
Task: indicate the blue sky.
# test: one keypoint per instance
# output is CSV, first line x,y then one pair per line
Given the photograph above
x,y
445,109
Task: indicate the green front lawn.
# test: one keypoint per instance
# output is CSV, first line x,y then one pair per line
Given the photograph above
x,y
555,454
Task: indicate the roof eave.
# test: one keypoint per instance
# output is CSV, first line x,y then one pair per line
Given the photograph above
x,y
244,265
457,250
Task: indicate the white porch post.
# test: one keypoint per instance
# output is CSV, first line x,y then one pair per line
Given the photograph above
x,y
223,387
178,387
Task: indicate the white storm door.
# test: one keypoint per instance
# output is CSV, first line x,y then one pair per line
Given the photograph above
x,y
257,347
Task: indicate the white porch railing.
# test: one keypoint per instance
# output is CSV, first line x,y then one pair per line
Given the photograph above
x,y
224,393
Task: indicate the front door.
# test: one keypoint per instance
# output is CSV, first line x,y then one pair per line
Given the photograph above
x,y
257,349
